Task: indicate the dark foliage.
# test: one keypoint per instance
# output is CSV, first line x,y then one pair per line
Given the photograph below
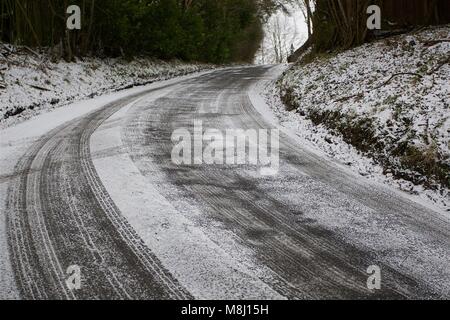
x,y
204,30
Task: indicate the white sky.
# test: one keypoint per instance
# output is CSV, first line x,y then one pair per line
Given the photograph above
x,y
293,31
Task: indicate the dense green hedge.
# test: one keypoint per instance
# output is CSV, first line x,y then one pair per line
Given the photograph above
x,y
204,30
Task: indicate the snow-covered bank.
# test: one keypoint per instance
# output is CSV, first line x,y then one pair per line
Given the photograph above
x,y
362,109
31,82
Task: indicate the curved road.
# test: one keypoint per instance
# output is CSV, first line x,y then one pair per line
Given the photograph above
x,y
311,231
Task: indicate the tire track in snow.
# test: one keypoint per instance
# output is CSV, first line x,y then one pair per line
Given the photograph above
x,y
60,215
309,261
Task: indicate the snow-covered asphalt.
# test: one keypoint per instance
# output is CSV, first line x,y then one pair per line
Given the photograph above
x,y
99,190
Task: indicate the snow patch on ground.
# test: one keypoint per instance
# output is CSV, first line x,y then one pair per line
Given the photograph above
x,y
335,148
31,82
404,110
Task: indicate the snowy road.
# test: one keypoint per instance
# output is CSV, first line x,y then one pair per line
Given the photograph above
x,y
100,191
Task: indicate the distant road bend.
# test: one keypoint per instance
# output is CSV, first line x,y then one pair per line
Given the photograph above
x,y
102,193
